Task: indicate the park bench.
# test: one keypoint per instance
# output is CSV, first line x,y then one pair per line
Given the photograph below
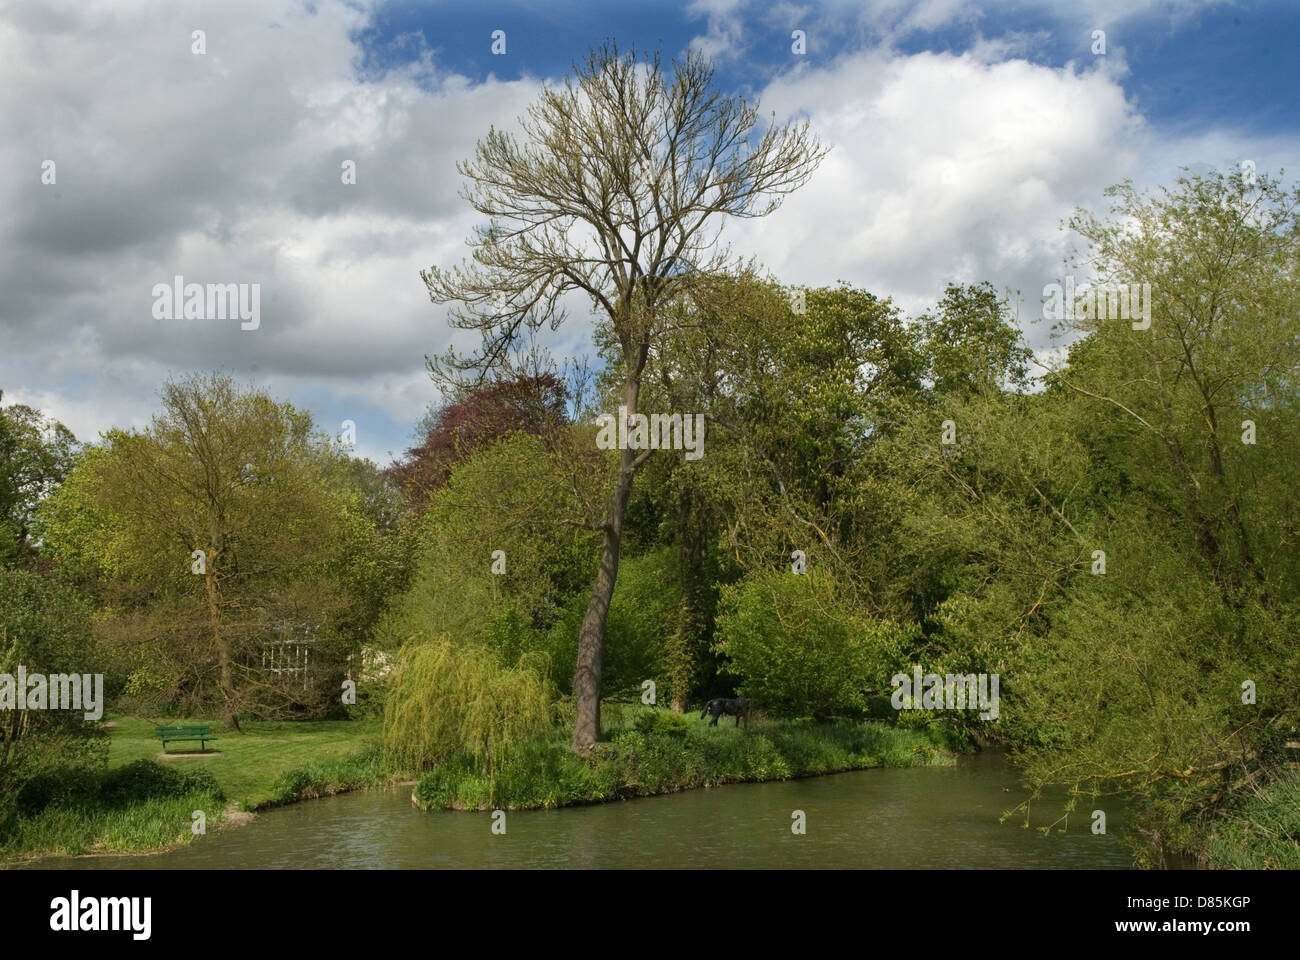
x,y
200,733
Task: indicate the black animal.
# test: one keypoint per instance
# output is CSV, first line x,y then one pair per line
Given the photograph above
x,y
721,706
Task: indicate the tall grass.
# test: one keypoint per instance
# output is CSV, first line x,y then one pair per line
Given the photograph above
x,y
143,805
326,777
1264,834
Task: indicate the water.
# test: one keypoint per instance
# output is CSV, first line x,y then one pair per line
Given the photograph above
x,y
925,817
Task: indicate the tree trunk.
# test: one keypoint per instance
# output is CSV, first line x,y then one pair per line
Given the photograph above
x,y
591,639
230,716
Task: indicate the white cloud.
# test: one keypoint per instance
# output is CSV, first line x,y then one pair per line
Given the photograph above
x,y
725,27
943,168
225,168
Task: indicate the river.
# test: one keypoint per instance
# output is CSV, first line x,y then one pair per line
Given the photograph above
x,y
923,817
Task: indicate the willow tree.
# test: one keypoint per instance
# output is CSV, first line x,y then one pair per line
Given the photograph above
x,y
614,192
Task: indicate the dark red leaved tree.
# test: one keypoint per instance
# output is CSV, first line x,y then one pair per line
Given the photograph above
x,y
533,404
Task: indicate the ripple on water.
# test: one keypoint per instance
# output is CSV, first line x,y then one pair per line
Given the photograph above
x,y
926,818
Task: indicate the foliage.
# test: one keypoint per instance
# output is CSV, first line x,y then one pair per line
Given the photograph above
x,y
36,453
798,650
651,721
797,403
637,627
141,804
667,753
510,497
970,347
73,830
447,698
44,627
288,540
1115,546
1264,833
480,416
147,780
327,776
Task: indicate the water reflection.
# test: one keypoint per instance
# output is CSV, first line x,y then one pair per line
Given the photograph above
x,y
934,817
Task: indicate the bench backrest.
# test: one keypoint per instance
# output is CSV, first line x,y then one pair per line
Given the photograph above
x,y
168,731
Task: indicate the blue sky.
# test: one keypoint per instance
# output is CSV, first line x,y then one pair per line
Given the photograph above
x,y
962,134
1230,63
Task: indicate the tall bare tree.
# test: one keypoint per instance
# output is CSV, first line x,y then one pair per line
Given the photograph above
x,y
616,193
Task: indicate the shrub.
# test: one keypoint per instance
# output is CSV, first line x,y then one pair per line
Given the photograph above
x,y
1264,833
797,650
323,778
661,721
141,804
45,627
149,780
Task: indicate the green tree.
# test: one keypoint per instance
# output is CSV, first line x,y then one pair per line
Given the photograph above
x,y
799,650
1116,546
505,537
451,698
615,195
1220,356
226,525
44,627
35,455
971,344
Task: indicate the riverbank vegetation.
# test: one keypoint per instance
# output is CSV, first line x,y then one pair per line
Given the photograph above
x,y
1262,832
141,800
1107,528
657,751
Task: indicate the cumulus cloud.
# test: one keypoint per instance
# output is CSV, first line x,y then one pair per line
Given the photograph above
x,y
225,168
724,37
944,168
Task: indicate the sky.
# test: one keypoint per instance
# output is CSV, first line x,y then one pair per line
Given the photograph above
x,y
962,136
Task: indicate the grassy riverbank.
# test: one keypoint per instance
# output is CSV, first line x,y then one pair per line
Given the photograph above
x,y
257,766
145,801
657,752
1263,834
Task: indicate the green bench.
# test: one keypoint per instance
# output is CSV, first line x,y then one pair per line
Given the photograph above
x,y
201,734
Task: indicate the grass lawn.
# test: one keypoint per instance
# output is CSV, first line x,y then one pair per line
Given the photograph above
x,y
133,810
246,764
